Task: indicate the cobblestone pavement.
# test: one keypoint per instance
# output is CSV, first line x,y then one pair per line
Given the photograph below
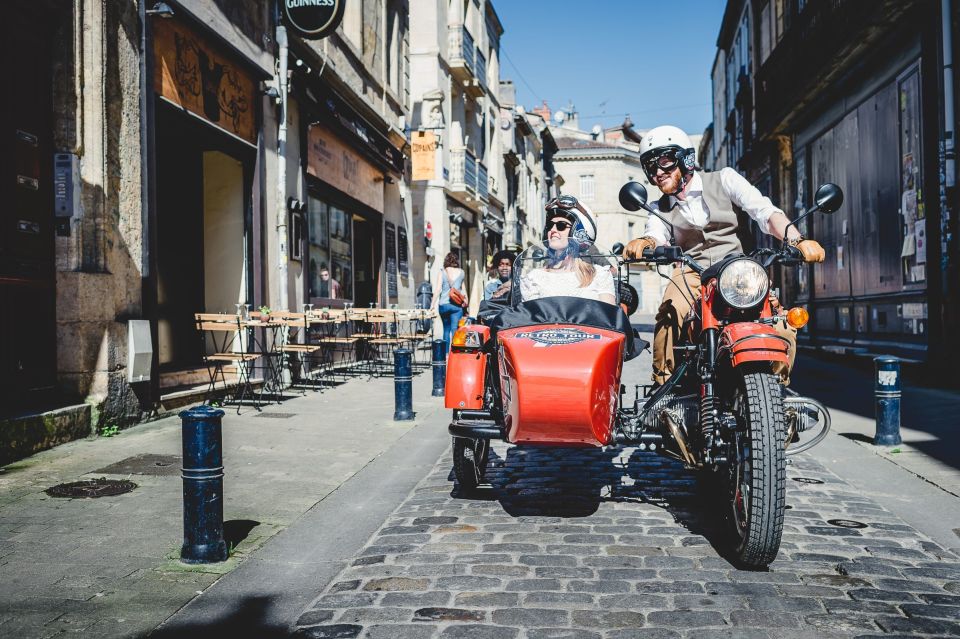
x,y
619,543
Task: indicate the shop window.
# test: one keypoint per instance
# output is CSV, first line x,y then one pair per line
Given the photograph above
x,y
330,250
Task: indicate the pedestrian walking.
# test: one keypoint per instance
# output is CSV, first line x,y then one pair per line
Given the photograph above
x,y
452,299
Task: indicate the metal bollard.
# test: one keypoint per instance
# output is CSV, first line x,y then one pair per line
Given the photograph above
x,y
202,486
402,385
439,367
887,392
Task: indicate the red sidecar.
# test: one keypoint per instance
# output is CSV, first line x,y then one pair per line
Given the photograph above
x,y
540,372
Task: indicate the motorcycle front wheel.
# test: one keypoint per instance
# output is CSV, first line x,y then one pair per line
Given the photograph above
x,y
758,469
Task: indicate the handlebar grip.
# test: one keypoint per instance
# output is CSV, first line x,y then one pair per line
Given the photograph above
x,y
648,253
794,253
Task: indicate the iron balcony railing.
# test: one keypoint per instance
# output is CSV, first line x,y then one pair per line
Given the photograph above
x,y
460,48
463,170
480,70
482,184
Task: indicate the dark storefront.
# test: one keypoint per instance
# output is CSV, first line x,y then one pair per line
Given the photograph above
x,y
27,276
853,101
347,163
205,228
872,291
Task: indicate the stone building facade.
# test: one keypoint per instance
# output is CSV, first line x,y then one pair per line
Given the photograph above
x,y
147,182
810,92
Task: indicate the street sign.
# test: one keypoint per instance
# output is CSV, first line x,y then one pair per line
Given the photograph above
x,y
313,19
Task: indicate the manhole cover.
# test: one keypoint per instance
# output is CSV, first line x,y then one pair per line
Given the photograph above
x,y
91,488
144,464
807,480
846,523
275,415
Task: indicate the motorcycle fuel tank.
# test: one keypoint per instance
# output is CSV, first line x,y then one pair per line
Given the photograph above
x,y
560,384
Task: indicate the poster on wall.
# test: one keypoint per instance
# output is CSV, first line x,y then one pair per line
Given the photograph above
x,y
390,238
402,260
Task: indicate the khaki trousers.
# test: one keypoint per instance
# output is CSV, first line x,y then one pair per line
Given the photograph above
x,y
678,298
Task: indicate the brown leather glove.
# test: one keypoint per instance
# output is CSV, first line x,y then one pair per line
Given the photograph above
x,y
635,248
811,250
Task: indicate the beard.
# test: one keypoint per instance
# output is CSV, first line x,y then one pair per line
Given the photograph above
x,y
671,183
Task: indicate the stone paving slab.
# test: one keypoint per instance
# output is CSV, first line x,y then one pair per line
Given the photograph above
x,y
109,567
621,543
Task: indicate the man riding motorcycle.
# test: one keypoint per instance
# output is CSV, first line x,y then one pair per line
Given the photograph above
x,y
703,208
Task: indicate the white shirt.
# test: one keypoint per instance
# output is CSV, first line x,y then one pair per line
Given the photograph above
x,y
695,210
543,282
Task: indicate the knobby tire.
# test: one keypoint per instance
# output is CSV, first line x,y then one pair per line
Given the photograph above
x,y
764,433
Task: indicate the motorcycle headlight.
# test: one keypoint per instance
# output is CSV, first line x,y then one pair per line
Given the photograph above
x,y
743,284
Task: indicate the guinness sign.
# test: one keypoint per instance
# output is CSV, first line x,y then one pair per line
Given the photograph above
x,y
313,19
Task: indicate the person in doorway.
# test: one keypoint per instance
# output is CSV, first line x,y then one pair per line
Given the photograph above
x,y
571,229
503,269
703,208
452,300
329,287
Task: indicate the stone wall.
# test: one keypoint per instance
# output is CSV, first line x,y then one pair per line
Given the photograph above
x,y
99,265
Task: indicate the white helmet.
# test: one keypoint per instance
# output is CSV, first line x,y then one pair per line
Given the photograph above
x,y
584,222
664,136
667,147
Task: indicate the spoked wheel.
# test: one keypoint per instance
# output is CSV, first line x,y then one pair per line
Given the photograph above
x,y
470,457
758,470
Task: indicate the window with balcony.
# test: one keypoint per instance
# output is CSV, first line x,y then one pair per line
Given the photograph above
x,y
586,188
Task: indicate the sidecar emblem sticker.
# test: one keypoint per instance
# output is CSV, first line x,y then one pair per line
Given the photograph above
x,y
558,336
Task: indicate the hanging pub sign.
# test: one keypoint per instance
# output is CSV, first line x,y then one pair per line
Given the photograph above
x,y
313,19
424,148
200,77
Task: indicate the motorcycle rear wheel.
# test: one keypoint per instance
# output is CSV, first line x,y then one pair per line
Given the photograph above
x,y
470,457
758,473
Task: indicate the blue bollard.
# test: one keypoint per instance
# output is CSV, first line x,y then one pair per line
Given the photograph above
x,y
203,541
439,367
402,385
887,392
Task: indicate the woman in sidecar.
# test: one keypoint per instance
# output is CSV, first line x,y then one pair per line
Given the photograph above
x,y
543,369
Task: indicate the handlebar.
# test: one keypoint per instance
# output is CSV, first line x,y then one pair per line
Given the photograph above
x,y
665,255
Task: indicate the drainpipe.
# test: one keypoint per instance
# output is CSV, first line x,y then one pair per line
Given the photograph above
x,y
282,169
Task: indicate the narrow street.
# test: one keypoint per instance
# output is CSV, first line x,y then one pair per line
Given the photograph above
x,y
602,543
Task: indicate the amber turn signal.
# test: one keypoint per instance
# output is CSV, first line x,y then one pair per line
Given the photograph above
x,y
459,338
462,322
798,317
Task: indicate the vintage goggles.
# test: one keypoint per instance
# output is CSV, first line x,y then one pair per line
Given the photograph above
x,y
667,160
565,202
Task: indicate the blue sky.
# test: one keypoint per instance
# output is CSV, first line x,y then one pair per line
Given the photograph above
x,y
651,59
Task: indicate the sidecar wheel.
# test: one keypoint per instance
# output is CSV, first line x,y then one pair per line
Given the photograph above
x,y
758,472
470,457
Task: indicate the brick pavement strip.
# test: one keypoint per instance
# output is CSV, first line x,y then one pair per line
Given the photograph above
x,y
617,544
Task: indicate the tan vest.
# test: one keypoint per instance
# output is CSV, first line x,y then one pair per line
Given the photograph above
x,y
719,237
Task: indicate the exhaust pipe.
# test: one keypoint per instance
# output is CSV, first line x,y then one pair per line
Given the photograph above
x,y
677,433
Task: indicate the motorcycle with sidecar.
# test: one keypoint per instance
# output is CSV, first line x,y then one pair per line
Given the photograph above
x,y
546,372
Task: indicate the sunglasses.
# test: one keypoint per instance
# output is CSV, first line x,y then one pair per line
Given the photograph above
x,y
561,225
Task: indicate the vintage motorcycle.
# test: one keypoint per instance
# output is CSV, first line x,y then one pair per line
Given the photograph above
x,y
546,372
